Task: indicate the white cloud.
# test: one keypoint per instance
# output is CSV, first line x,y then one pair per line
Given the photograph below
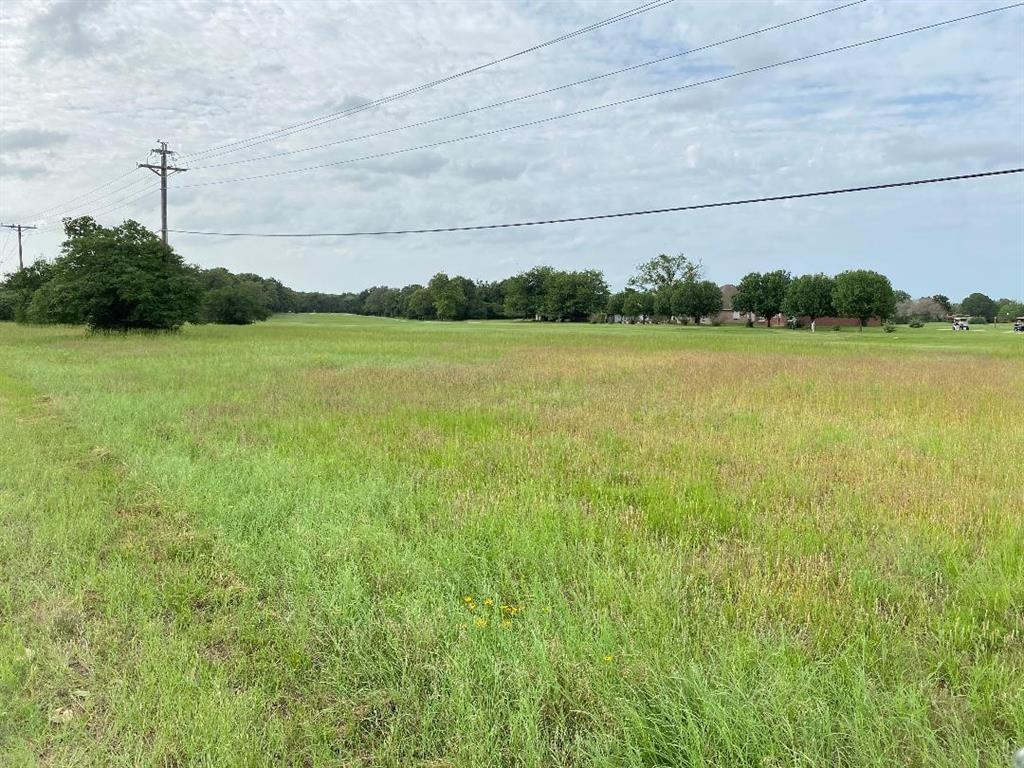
x,y
87,87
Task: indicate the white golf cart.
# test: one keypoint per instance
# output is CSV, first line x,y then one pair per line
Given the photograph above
x,y
961,323
1018,325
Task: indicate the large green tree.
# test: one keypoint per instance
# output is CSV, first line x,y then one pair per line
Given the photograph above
x,y
121,278
1008,309
864,294
574,295
450,300
809,295
17,291
664,271
525,292
697,299
421,304
979,305
762,294
636,303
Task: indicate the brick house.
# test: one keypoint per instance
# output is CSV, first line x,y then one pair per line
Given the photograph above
x,y
728,315
828,322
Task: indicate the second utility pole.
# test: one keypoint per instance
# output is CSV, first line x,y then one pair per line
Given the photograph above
x,y
19,227
163,171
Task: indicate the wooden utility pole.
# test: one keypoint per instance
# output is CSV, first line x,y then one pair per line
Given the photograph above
x,y
19,227
163,171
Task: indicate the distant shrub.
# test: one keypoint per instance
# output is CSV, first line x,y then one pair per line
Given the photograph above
x,y
750,323
978,320
916,324
836,328
239,303
889,326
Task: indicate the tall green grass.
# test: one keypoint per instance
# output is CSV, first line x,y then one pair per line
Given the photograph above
x,y
347,541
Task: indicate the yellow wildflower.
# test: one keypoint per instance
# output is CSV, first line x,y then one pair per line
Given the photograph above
x,y
488,601
506,623
609,657
481,622
467,599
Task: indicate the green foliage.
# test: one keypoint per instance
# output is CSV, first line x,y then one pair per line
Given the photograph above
x,y
118,278
944,302
615,303
888,326
232,299
525,292
1007,310
863,294
662,304
762,294
637,303
979,305
664,272
809,295
17,290
450,299
239,303
574,295
916,324
696,299
421,304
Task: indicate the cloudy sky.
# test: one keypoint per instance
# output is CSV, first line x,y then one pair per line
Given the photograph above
x,y
88,86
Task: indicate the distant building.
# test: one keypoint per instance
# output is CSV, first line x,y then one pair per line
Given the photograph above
x,y
828,322
730,315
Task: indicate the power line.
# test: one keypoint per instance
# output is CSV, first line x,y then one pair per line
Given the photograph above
x,y
61,205
648,212
99,200
114,205
546,91
598,107
233,146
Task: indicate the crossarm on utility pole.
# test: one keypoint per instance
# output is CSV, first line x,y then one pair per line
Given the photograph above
x,y
19,228
163,171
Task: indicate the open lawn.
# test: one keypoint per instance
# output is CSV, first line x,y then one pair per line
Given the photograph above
x,y
330,540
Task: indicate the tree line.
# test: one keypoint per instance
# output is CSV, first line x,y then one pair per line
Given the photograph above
x,y
124,277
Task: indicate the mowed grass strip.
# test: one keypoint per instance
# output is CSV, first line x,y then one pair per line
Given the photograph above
x,y
370,542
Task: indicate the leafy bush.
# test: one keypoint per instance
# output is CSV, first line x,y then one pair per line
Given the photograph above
x,y
889,326
238,304
836,328
116,278
916,324
978,320
750,323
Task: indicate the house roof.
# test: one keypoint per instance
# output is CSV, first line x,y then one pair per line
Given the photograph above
x,y
728,291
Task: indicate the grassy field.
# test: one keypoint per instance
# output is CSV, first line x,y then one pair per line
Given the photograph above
x,y
329,540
